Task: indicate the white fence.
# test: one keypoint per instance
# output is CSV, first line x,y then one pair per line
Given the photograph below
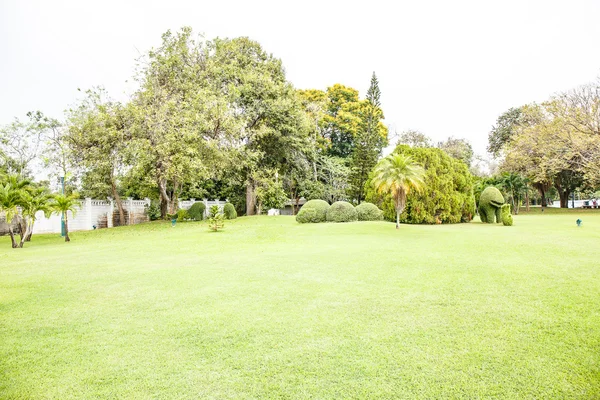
x,y
101,214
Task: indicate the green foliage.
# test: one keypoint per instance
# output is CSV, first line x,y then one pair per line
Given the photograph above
x,y
153,210
271,196
196,211
182,215
368,212
460,149
213,211
490,202
216,221
313,211
507,219
446,196
229,211
341,211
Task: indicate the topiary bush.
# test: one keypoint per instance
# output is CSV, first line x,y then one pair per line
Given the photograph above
x,y
196,211
490,205
507,219
229,211
368,212
153,210
342,211
313,211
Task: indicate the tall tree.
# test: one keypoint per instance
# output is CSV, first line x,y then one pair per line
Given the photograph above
x,y
369,141
414,138
397,175
98,135
62,204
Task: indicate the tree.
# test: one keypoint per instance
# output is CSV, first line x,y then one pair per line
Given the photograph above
x,y
458,148
62,205
10,200
514,185
503,131
397,175
369,141
22,143
98,136
445,197
414,138
32,202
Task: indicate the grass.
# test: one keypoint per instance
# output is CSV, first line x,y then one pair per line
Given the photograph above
x,y
269,308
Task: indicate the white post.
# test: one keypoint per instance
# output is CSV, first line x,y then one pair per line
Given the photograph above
x,y
205,201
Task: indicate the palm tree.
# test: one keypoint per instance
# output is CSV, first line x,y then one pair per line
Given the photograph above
x,y
32,201
63,204
397,175
10,199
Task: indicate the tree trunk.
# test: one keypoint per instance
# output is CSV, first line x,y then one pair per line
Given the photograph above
x,y
67,239
12,236
250,199
27,234
397,220
119,203
527,199
164,198
564,198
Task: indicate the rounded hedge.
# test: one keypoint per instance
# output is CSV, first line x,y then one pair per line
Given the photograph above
x,y
313,211
368,212
196,211
342,211
229,211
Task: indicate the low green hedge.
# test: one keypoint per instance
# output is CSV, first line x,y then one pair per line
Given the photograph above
x,y
229,211
313,211
368,212
196,211
342,211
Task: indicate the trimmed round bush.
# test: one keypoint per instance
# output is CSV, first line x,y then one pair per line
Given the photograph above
x,y
313,211
342,211
196,211
368,212
229,211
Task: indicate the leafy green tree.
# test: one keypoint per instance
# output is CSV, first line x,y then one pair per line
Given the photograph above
x,y
397,175
62,204
98,136
445,197
32,202
504,129
369,141
11,197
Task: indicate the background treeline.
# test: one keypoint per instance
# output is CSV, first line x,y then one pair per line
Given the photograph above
x,y
218,119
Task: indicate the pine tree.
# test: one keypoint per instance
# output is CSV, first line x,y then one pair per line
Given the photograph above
x,y
369,141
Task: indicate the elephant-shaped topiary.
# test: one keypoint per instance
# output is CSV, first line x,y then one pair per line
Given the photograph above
x,y
490,202
507,219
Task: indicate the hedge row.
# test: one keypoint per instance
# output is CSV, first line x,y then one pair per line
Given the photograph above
x,y
314,211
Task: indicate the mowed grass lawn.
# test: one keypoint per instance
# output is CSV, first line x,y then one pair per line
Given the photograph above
x,y
269,308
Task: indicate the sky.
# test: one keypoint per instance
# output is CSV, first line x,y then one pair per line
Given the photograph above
x,y
445,68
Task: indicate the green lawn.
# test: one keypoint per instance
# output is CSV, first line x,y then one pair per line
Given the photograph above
x,y
272,309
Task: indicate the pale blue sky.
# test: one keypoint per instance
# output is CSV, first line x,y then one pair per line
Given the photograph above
x,y
445,67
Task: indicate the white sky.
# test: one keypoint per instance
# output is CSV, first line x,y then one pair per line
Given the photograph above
x,y
446,68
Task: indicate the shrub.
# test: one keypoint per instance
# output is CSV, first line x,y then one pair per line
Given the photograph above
x,y
216,222
181,215
196,211
341,211
153,210
507,219
368,212
229,211
313,211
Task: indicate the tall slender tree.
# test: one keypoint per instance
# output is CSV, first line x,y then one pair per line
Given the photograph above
x,y
369,141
